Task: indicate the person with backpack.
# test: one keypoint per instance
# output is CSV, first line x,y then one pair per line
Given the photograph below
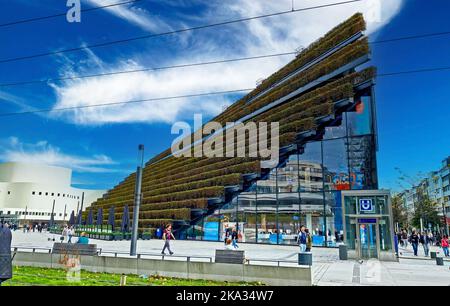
x,y
167,236
444,245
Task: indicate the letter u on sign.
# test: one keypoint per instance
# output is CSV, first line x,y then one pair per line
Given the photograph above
x,y
365,205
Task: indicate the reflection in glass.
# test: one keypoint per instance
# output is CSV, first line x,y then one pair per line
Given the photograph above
x,y
246,217
310,168
362,163
267,219
359,120
288,218
335,165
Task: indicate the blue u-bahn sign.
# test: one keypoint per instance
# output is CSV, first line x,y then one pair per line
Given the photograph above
x,y
366,205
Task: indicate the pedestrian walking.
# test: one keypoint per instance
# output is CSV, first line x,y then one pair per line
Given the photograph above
x,y
64,234
302,239
308,241
444,245
70,234
227,233
414,239
234,238
167,236
405,239
425,240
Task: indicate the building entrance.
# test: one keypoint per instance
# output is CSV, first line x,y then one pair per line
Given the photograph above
x,y
368,229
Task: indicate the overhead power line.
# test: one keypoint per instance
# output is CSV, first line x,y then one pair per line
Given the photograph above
x,y
18,83
127,102
196,95
146,69
148,36
7,24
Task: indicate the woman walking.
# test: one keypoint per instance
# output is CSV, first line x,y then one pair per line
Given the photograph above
x,y
167,236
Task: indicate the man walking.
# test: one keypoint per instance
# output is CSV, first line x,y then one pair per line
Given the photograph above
x,y
167,236
5,253
70,234
425,240
302,239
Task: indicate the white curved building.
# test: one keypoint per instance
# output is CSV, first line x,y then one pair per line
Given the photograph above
x,y
28,192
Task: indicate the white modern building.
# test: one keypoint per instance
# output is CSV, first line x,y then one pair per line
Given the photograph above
x,y
30,192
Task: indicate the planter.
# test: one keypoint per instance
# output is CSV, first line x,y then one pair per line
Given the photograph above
x,y
146,236
118,237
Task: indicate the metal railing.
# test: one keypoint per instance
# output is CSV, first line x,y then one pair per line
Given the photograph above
x,y
188,258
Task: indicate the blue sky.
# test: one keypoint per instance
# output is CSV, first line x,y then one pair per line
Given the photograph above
x,y
100,144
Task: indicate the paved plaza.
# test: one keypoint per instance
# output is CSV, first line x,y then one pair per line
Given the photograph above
x,y
327,268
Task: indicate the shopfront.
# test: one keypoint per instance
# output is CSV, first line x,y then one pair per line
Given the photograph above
x,y
368,227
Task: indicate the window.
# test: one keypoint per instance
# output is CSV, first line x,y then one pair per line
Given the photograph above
x,y
9,192
359,121
46,193
40,193
53,194
59,194
310,168
33,193
335,165
64,195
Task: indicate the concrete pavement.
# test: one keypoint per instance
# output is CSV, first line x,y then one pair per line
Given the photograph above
x,y
328,270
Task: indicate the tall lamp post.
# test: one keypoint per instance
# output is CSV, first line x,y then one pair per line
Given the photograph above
x,y
444,215
137,200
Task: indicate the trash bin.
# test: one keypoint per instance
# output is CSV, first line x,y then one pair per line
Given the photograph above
x,y
433,254
343,253
440,261
305,259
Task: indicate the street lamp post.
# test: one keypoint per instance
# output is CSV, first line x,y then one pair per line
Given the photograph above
x,y
137,201
444,215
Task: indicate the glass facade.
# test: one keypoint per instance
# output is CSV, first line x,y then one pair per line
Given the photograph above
x,y
306,188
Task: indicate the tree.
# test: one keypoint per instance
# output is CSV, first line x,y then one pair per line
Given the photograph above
x,y
426,210
400,215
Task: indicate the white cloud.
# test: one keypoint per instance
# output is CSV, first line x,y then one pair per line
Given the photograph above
x,y
263,36
133,14
44,153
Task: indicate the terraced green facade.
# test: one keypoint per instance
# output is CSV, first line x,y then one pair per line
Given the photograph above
x,y
325,108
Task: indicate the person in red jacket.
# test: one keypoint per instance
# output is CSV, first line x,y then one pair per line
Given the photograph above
x,y
444,245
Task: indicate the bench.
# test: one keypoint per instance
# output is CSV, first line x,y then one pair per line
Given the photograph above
x,y
230,257
75,249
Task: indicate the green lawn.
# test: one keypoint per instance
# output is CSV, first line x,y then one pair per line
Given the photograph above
x,y
29,276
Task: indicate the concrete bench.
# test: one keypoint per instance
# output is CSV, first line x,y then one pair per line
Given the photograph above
x,y
230,256
75,249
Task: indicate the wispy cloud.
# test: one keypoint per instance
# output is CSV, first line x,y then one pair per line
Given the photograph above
x,y
263,36
134,15
15,100
14,150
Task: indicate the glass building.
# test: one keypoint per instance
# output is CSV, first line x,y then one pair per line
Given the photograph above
x,y
306,189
